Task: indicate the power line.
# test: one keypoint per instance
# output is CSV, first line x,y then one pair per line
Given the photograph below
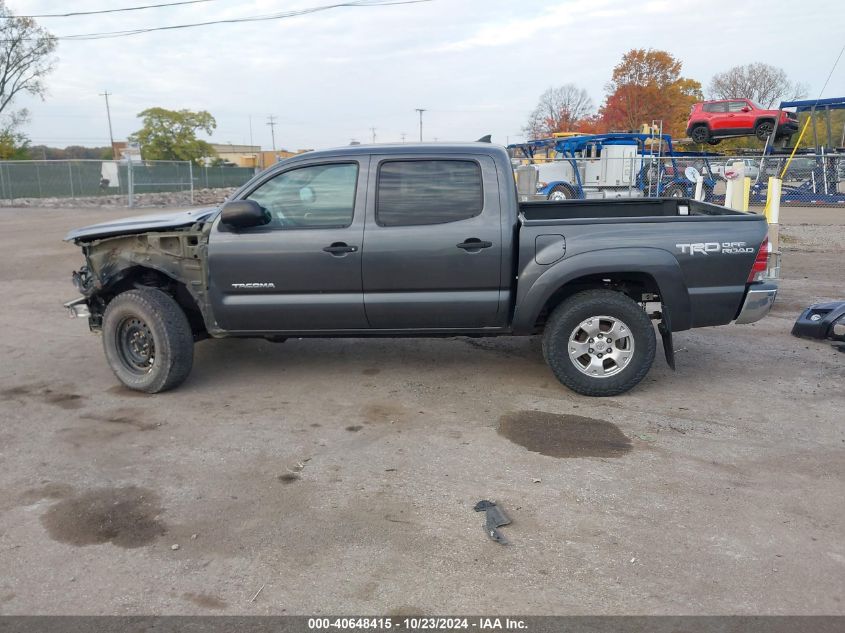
x,y
137,8
254,18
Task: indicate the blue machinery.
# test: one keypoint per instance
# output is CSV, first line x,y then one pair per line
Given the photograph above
x,y
653,178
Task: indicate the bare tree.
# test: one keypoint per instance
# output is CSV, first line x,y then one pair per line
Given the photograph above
x,y
762,83
25,57
558,110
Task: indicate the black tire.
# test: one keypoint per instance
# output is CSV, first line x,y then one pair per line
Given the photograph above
x,y
714,141
674,191
592,304
148,341
560,192
763,130
700,134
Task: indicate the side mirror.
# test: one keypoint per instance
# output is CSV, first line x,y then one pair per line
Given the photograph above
x,y
746,109
243,214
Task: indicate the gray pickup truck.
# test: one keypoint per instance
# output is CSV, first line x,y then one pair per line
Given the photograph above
x,y
419,240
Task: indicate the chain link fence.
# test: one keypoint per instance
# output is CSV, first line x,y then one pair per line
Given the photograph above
x,y
808,179
118,183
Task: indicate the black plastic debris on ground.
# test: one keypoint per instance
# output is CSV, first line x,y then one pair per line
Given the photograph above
x,y
823,321
496,518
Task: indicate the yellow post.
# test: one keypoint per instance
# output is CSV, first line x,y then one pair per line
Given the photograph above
x,y
773,212
773,200
746,192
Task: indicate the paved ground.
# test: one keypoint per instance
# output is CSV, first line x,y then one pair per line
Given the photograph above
x,y
339,476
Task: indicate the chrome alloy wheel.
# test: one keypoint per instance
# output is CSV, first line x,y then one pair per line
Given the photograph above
x,y
601,346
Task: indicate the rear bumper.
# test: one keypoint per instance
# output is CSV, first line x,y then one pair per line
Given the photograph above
x,y
758,301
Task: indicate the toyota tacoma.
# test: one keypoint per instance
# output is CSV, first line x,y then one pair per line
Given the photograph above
x,y
419,240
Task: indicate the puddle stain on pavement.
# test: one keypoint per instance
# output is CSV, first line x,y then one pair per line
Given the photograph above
x,y
127,517
62,399
205,600
564,435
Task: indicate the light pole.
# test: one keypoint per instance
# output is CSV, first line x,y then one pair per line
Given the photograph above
x,y
106,94
271,121
420,110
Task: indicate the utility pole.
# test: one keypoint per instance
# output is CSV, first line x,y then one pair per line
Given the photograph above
x,y
403,136
271,121
107,94
420,110
373,130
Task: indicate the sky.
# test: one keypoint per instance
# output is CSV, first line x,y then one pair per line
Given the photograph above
x,y
476,66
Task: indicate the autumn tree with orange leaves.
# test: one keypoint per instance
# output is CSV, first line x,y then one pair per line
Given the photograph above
x,y
647,86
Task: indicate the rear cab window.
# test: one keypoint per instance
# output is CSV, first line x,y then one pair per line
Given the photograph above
x,y
428,191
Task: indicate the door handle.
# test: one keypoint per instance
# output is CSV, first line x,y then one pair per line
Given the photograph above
x,y
340,248
473,243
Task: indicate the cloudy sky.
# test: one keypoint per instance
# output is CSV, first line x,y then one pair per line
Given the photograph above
x,y
477,66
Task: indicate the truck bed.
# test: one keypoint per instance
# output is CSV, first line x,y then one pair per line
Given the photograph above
x,y
698,254
620,208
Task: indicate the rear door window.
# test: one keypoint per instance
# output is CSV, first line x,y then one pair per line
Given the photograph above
x,y
421,192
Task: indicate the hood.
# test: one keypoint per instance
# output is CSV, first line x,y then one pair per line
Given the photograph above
x,y
140,224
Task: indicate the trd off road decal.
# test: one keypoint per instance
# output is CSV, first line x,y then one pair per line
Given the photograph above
x,y
709,248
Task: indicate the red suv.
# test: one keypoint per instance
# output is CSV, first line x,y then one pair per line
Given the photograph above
x,y
711,121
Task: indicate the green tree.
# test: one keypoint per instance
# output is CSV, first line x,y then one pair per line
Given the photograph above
x,y
14,144
172,134
25,57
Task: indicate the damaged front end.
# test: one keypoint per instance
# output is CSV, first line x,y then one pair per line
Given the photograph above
x,y
172,260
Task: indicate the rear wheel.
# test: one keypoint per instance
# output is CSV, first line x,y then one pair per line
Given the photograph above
x,y
674,191
763,130
147,340
599,343
700,134
559,192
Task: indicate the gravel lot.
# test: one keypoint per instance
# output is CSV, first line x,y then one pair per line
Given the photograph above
x,y
340,476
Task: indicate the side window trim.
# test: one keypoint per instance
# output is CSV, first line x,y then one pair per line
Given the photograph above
x,y
412,159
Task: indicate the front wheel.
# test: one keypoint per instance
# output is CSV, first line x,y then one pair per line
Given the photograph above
x,y
147,340
559,192
764,130
599,343
700,134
